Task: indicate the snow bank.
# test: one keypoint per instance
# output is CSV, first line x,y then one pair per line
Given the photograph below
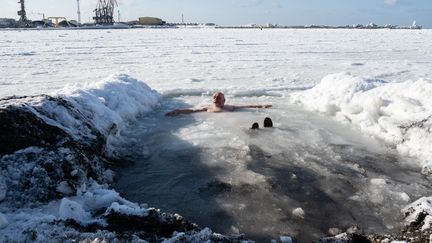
x,y
49,145
399,113
91,111
113,100
107,104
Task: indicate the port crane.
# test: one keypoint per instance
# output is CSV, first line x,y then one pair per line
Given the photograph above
x,y
23,21
104,12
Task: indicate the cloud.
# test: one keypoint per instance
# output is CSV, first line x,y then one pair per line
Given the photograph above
x,y
390,2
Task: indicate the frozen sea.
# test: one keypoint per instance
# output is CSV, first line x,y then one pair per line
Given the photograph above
x,y
346,147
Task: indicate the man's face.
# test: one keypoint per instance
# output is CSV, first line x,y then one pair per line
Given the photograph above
x,y
218,99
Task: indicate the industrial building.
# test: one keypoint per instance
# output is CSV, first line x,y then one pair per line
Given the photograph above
x,y
104,16
8,23
150,21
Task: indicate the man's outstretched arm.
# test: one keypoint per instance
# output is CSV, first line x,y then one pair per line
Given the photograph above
x,y
184,111
252,106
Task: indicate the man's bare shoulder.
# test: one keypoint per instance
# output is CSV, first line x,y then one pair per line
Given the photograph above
x,y
221,109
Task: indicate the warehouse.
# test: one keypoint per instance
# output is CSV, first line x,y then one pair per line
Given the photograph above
x,y
150,21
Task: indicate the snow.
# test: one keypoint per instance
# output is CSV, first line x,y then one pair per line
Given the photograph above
x,y
64,188
72,210
298,212
127,209
93,198
378,81
285,239
3,188
399,112
82,208
113,100
202,236
413,212
3,221
378,181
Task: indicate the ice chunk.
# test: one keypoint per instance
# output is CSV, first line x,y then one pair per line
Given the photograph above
x,y
109,175
63,187
127,209
285,239
427,168
298,212
404,197
378,181
3,221
100,198
72,210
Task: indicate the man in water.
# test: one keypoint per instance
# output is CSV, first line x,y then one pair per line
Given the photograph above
x,y
218,105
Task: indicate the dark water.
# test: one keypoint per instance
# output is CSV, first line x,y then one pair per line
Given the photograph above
x,y
214,171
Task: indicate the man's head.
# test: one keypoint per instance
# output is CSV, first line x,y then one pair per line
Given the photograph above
x,y
218,99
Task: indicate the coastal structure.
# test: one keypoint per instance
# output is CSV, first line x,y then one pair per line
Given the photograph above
x,y
104,15
23,21
104,12
78,12
8,23
150,21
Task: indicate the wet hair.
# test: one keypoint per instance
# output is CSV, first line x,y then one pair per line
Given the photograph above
x,y
255,126
268,122
219,95
216,94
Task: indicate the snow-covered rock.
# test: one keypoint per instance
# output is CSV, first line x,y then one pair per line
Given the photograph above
x,y
50,145
419,214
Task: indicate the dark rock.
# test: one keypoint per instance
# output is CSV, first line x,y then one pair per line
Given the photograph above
x,y
20,128
152,224
39,148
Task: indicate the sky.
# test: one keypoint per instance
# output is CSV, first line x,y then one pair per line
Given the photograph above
x,y
241,12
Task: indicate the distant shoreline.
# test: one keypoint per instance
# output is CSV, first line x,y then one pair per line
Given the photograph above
x,y
213,27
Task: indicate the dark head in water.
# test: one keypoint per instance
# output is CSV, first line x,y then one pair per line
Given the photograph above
x,y
255,126
268,122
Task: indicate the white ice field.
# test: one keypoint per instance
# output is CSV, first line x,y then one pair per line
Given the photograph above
x,y
350,107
